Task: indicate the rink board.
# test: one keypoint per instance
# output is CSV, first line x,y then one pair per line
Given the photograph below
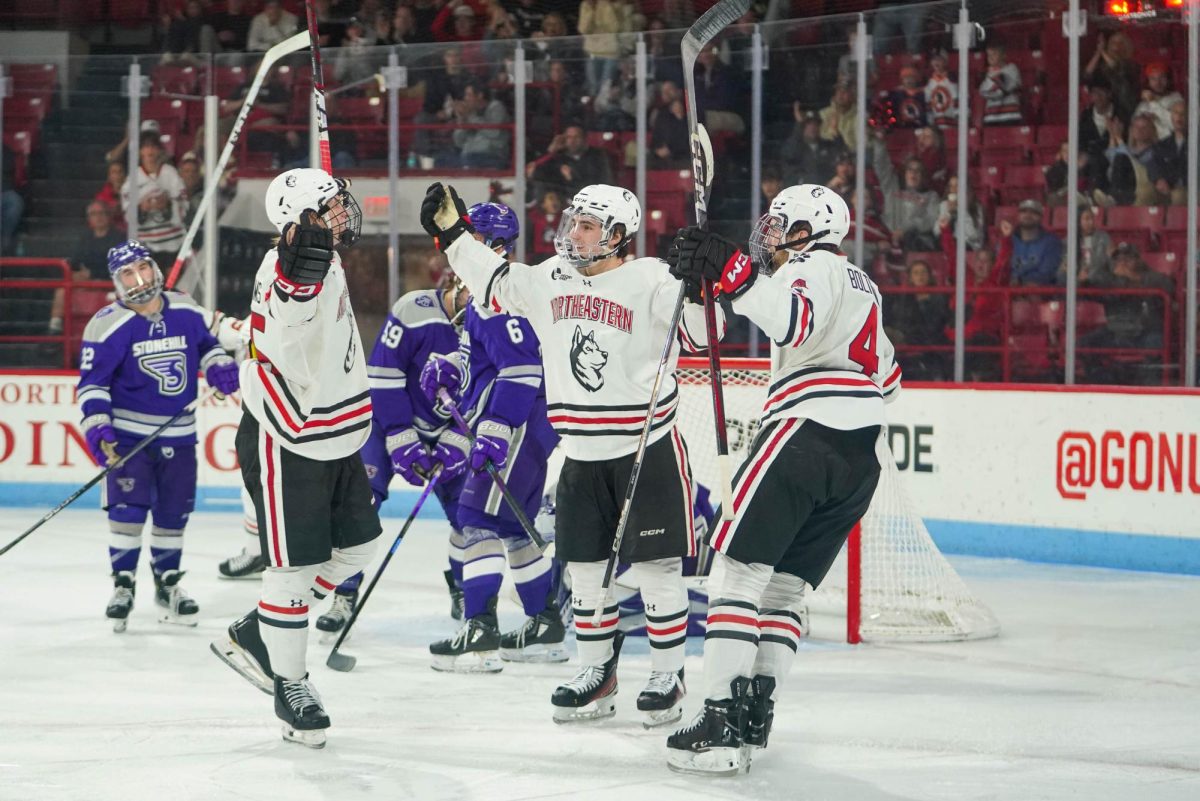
x,y
1083,476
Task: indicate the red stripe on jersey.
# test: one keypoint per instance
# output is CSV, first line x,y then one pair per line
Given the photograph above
x,y
277,403
689,515
283,610
604,624
272,502
566,418
664,632
748,479
752,622
833,382
894,376
774,624
805,312
325,585
341,418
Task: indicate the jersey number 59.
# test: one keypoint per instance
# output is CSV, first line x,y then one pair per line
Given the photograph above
x,y
863,346
391,335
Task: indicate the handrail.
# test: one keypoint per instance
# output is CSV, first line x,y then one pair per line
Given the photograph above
x,y
62,281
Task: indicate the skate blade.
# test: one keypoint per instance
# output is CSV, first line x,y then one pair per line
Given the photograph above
x,y
713,762
661,717
255,576
477,662
188,621
330,637
119,624
600,709
532,654
311,738
330,628
231,654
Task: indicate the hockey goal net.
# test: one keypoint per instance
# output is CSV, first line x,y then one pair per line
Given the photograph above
x,y
891,581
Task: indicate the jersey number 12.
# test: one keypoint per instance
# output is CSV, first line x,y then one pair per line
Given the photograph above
x,y
863,346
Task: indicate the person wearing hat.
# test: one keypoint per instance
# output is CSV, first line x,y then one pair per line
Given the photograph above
x,y
1036,253
1158,97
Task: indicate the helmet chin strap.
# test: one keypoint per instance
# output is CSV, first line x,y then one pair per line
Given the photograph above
x,y
802,241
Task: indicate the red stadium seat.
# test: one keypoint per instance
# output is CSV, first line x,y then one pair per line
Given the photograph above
x,y
33,78
175,79
1138,237
1011,136
1174,242
228,80
1089,315
1030,355
1003,158
1149,218
359,110
1025,315
1168,264
1051,135
1175,218
21,104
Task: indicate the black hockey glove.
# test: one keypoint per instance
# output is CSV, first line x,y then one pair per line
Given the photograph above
x,y
444,215
697,255
305,255
692,288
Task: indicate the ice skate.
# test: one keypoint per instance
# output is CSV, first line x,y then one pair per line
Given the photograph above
x,y
539,640
244,651
121,603
760,711
248,564
334,620
474,649
591,694
662,700
178,608
712,743
456,595
299,707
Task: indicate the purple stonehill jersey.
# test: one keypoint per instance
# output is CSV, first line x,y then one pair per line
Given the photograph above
x,y
504,373
416,327
142,371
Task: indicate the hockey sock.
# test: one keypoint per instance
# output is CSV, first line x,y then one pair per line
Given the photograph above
x,y
124,545
594,642
283,618
666,599
779,626
530,571
482,570
731,642
458,546
166,549
343,570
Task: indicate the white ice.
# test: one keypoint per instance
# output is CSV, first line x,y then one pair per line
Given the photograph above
x,y
1092,692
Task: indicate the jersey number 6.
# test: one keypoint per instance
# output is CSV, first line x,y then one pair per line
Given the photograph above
x,y
863,346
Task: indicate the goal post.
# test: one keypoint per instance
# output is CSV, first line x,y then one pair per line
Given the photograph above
x,y
890,581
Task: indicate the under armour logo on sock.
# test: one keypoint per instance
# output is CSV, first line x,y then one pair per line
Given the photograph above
x,y
295,602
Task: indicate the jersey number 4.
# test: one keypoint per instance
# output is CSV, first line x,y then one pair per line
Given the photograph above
x,y
863,347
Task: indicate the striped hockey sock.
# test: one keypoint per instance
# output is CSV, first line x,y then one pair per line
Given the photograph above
x,y
482,570
530,571
730,644
166,549
665,595
457,553
124,545
595,642
780,625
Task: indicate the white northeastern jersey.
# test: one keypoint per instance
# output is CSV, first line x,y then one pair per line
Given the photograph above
x,y
306,382
602,337
830,359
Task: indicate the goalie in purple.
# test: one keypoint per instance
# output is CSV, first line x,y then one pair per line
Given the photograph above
x,y
496,378
138,365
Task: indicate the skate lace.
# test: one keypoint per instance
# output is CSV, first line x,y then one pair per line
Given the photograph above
x,y
661,682
341,606
301,695
586,680
121,594
460,637
528,630
242,560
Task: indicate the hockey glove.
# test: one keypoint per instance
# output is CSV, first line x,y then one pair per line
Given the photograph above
x,y
410,457
692,288
492,440
444,215
223,376
305,255
101,439
451,452
442,371
700,254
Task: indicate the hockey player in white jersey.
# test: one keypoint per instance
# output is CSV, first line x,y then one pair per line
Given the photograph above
x,y
812,468
602,321
306,413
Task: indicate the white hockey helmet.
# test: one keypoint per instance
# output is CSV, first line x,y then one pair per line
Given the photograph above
x,y
608,206
820,207
293,192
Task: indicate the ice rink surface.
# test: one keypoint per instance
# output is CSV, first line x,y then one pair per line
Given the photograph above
x,y
1091,692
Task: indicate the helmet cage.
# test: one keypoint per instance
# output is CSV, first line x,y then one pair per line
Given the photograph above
x,y
137,292
343,217
577,256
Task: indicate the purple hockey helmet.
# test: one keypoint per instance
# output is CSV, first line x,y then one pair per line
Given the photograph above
x,y
122,267
497,223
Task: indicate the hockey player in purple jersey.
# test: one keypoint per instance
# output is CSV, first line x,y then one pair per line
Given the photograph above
x,y
496,378
138,365
409,434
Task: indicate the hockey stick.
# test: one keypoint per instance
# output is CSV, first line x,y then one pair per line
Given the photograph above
x,y
77,494
344,662
318,82
289,45
705,29
494,472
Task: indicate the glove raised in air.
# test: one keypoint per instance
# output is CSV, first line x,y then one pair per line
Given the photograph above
x,y
305,256
444,215
697,255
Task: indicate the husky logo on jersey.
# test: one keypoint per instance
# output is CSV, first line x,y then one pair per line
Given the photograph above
x,y
587,360
126,484
817,191
168,369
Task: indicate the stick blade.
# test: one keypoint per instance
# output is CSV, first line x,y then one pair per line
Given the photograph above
x,y
702,165
712,22
343,663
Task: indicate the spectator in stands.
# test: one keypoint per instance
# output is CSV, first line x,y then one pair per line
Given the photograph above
x,y
545,223
670,137
847,68
425,12
663,61
570,164
528,15
270,27
839,120
488,148
600,22
930,150
1113,61
120,151
443,87
908,99
947,218
1093,126
616,105
459,21
896,17
844,175
1092,176
805,153
187,31
162,198
352,62
1130,321
877,239
1170,158
717,93
1158,97
678,14
498,38
771,184
941,94
231,26
110,193
1001,89
12,204
1131,177
329,24
563,99
1036,253
919,318
910,209
984,314
1095,252
193,184
89,257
